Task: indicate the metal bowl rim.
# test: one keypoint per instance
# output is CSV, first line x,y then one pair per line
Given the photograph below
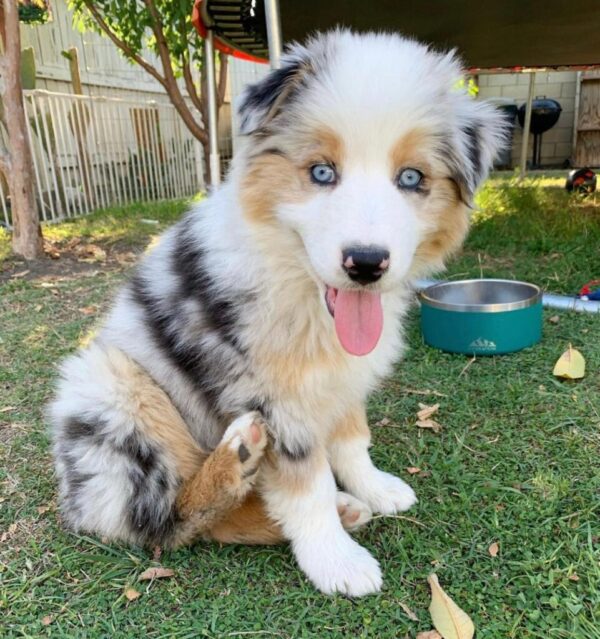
x,y
482,308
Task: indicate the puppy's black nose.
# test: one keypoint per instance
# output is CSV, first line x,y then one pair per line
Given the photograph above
x,y
365,264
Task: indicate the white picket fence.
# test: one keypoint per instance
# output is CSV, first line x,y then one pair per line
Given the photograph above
x,y
94,152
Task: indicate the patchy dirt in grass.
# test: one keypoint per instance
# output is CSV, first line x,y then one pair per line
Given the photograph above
x,y
69,260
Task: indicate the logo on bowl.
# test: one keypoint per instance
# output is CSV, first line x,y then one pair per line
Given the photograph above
x,y
484,345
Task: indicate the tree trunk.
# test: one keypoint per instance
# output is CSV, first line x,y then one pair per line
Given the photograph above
x,y
27,234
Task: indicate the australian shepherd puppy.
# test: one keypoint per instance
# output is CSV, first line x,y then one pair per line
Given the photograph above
x,y
225,393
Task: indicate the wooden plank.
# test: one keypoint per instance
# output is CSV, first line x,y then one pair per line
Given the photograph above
x,y
589,106
588,149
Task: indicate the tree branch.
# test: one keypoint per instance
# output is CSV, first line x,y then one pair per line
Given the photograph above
x,y
170,82
127,50
222,83
190,86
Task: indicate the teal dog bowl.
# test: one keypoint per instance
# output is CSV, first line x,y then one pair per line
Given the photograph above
x,y
481,317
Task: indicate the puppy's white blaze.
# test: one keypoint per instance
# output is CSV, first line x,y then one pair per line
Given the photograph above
x,y
330,558
382,492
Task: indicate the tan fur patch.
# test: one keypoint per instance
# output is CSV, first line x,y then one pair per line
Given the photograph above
x,y
277,177
154,414
214,485
449,219
353,425
442,207
247,524
412,150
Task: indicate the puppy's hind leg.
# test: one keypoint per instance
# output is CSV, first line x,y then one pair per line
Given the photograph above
x,y
223,481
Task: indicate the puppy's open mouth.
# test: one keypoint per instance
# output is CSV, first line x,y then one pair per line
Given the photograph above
x,y
358,318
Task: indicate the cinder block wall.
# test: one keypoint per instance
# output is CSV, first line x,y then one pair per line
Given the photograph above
x,y
560,85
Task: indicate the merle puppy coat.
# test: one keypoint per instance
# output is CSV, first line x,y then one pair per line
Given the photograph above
x,y
225,393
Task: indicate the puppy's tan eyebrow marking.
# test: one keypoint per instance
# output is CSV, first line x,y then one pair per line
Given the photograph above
x,y
269,151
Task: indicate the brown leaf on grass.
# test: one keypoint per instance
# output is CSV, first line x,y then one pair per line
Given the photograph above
x,y
90,253
413,470
430,634
47,620
555,319
408,612
494,549
7,409
89,310
131,594
573,577
383,422
14,276
43,509
449,620
156,573
427,411
7,534
429,423
52,252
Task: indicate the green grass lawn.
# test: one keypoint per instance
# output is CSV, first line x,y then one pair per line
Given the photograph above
x,y
517,461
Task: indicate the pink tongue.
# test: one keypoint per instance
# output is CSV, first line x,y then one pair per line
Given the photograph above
x,y
358,320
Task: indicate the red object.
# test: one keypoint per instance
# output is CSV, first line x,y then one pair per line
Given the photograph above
x,y
587,289
202,29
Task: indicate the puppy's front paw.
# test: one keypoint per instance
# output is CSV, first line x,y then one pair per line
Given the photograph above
x,y
339,565
387,494
353,513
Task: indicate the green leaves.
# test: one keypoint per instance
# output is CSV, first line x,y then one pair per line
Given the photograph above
x,y
132,23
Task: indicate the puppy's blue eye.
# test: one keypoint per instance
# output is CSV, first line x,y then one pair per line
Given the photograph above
x,y
409,179
323,174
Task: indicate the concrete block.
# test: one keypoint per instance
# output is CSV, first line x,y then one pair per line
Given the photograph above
x,y
490,92
502,79
517,91
568,89
563,150
563,76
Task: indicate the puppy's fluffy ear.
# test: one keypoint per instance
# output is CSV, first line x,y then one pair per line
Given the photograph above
x,y
481,134
261,102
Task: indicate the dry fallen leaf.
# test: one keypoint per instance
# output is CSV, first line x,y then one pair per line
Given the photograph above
x,y
43,509
384,422
47,620
20,274
574,577
427,411
555,319
413,470
429,423
7,534
430,634
570,365
89,310
132,594
449,620
493,549
156,573
409,613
